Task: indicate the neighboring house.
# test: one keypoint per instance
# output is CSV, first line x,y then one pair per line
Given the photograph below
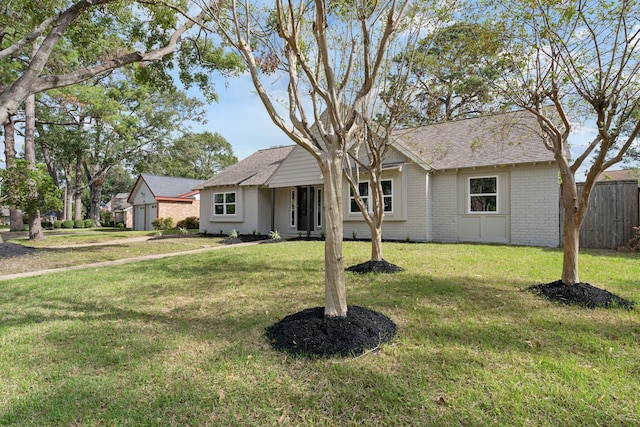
x,y
485,180
5,215
619,175
121,210
155,197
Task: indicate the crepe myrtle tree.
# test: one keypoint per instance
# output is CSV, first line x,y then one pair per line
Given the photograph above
x,y
576,61
330,55
382,112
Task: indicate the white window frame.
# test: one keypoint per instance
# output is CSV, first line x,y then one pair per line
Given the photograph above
x,y
471,195
294,211
368,199
225,204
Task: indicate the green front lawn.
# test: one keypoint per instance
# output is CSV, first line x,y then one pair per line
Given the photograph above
x,y
179,341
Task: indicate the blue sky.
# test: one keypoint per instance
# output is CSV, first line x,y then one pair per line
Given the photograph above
x,y
241,118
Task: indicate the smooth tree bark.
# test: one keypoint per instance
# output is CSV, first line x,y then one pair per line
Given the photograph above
x,y
576,62
380,115
322,106
369,163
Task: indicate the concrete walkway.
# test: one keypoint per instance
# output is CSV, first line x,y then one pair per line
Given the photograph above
x,y
117,261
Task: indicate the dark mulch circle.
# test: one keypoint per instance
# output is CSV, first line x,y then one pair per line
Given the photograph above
x,y
9,250
381,266
244,238
309,333
581,294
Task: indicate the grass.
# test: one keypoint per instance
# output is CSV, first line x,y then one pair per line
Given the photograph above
x,y
180,341
64,249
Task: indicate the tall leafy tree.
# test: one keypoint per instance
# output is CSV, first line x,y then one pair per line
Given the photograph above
x,y
581,62
192,155
453,69
117,122
78,40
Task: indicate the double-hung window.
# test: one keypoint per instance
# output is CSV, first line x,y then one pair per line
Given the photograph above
x,y
224,203
483,194
365,194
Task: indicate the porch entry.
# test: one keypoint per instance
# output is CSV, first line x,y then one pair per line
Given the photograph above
x,y
304,209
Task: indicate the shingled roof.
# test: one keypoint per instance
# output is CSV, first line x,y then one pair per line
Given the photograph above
x,y
619,175
509,138
169,186
253,170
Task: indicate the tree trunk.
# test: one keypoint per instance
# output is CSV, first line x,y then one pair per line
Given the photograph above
x,y
376,243
77,205
15,215
571,224
51,168
35,224
16,221
77,193
68,194
335,293
96,195
35,227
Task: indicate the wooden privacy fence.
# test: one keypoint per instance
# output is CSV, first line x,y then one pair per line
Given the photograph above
x,y
614,209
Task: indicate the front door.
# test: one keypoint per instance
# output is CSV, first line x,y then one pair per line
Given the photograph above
x,y
305,208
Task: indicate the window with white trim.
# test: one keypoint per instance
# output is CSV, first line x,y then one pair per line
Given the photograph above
x,y
224,203
483,194
363,188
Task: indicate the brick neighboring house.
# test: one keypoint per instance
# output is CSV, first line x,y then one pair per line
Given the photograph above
x,y
155,197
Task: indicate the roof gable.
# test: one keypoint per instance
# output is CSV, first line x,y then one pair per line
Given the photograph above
x,y
253,170
509,138
170,186
165,186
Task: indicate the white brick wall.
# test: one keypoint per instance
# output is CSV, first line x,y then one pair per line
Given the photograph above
x,y
534,207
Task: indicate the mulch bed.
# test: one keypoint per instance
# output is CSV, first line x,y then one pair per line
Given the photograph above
x,y
9,250
309,333
381,266
581,294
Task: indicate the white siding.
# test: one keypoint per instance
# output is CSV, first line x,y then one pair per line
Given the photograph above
x,y
263,224
253,206
535,214
142,200
142,194
444,195
409,219
299,168
224,224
